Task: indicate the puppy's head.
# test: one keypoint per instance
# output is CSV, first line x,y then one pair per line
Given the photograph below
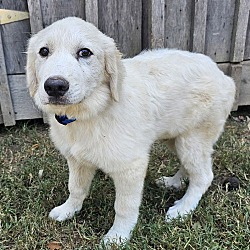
x,y
69,63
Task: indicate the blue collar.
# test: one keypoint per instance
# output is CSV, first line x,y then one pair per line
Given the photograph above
x,y
64,120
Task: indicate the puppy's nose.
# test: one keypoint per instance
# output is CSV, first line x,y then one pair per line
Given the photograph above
x,y
56,86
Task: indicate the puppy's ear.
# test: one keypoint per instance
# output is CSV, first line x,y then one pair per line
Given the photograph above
x,y
32,83
114,68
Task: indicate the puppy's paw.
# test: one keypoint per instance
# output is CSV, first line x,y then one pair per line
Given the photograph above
x,y
63,212
113,238
180,210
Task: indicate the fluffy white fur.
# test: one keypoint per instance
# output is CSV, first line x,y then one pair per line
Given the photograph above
x,y
122,106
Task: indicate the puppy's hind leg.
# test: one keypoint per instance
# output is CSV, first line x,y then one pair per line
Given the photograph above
x,y
194,151
175,181
80,178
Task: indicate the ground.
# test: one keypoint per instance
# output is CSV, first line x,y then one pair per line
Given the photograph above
x,y
33,179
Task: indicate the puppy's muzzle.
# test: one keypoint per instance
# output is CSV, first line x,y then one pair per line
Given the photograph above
x,y
56,86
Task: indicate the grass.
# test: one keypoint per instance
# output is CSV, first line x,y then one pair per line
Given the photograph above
x,y
221,220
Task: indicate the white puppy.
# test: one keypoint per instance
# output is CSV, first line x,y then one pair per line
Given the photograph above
x,y
115,109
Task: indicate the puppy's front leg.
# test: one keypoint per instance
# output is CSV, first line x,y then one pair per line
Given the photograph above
x,y
80,178
129,185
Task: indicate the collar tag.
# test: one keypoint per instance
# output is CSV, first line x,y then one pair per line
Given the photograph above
x,y
64,120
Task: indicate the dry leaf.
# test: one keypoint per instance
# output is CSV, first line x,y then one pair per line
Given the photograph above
x,y
54,245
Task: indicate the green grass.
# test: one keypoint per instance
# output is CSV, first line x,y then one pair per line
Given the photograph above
x,y
221,220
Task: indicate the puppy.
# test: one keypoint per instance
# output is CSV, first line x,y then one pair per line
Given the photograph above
x,y
105,113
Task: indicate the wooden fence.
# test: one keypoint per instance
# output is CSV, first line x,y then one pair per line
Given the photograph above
x,y
217,28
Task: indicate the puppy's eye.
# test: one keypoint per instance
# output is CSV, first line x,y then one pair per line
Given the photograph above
x,y
84,53
43,52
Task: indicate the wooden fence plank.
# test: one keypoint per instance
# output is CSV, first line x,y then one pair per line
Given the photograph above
x,y
178,24
244,95
91,11
55,10
235,71
1,115
129,19
199,26
5,96
36,19
119,20
158,23
225,68
108,18
23,104
239,30
219,29
14,38
146,23
247,44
